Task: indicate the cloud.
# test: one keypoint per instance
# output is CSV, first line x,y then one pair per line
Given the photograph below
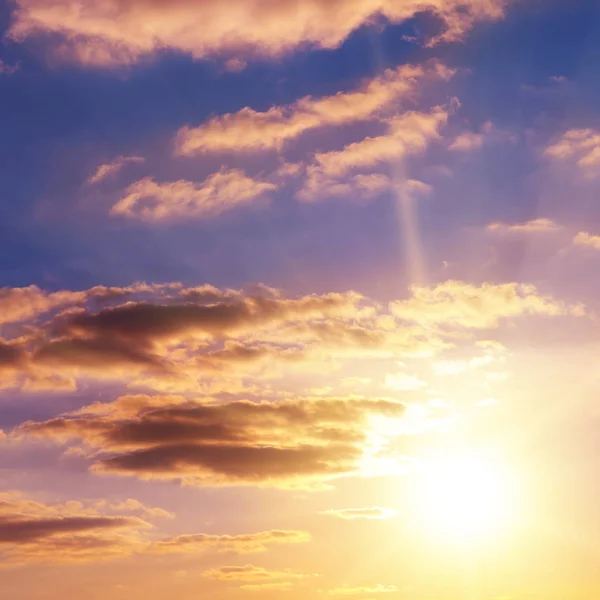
x,y
583,238
466,142
282,586
63,533
32,532
540,225
466,305
249,130
251,573
110,169
122,32
373,513
173,338
239,443
148,200
335,173
236,544
580,146
17,304
352,591
170,337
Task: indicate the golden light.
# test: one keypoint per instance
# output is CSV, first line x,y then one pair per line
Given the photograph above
x,y
464,497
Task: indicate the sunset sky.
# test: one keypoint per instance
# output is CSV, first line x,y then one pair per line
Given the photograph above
x,y
299,300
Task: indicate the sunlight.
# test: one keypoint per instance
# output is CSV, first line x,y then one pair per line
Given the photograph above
x,y
464,497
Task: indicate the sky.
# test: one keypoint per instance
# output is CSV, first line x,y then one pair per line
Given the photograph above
x,y
298,299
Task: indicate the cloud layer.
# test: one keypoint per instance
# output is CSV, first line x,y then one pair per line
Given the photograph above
x,y
123,31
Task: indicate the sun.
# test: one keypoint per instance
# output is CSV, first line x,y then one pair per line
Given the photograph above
x,y
464,497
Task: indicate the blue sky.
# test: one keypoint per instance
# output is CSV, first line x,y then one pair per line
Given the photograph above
x,y
59,121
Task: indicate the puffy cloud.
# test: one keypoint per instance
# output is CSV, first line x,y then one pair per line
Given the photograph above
x,y
239,443
373,513
251,573
581,146
540,225
148,200
466,305
334,173
123,31
173,338
110,169
17,304
583,238
249,130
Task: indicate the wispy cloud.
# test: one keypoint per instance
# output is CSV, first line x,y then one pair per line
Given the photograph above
x,y
104,171
148,200
374,513
248,130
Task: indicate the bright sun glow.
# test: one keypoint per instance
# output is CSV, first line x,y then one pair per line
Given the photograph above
x,y
464,497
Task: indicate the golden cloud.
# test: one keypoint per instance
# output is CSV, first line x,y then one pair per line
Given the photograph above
x,y
249,130
73,532
148,200
372,513
31,531
251,573
335,173
465,305
123,31
239,443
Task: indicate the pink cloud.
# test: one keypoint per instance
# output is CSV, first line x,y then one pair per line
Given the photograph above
x,y
120,32
148,200
249,130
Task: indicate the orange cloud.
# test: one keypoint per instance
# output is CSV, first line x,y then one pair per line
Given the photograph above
x,y
121,32
251,573
334,173
63,533
73,532
148,200
249,130
240,443
172,338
